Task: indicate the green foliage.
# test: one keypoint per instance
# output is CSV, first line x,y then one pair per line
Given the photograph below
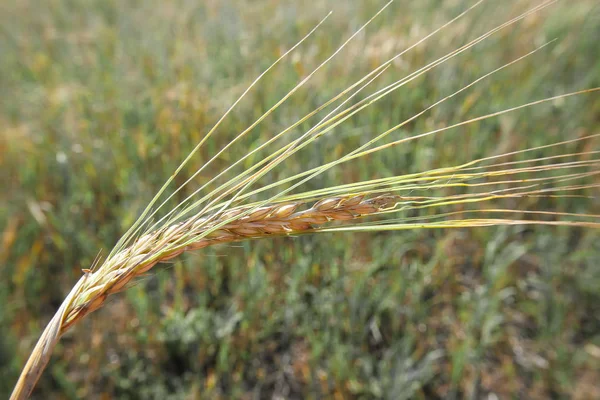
x,y
101,101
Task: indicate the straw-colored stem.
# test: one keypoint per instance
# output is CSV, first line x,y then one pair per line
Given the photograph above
x,y
44,347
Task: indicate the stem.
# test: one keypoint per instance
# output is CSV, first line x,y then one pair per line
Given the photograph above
x,y
43,349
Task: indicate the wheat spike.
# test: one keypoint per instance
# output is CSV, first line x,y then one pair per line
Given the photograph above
x,y
197,233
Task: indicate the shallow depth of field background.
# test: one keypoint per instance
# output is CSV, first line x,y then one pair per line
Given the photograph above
x,y
100,100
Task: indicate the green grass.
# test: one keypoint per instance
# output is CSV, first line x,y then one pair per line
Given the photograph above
x,y
102,100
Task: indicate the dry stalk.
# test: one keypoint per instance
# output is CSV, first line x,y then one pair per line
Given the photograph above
x,y
92,290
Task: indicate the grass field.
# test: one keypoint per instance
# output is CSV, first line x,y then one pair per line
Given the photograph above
x,y
101,100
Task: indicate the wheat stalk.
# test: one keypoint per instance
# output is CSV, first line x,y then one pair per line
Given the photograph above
x,y
224,215
242,223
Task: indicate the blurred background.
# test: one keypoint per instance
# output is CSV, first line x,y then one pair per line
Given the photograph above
x,y
101,100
